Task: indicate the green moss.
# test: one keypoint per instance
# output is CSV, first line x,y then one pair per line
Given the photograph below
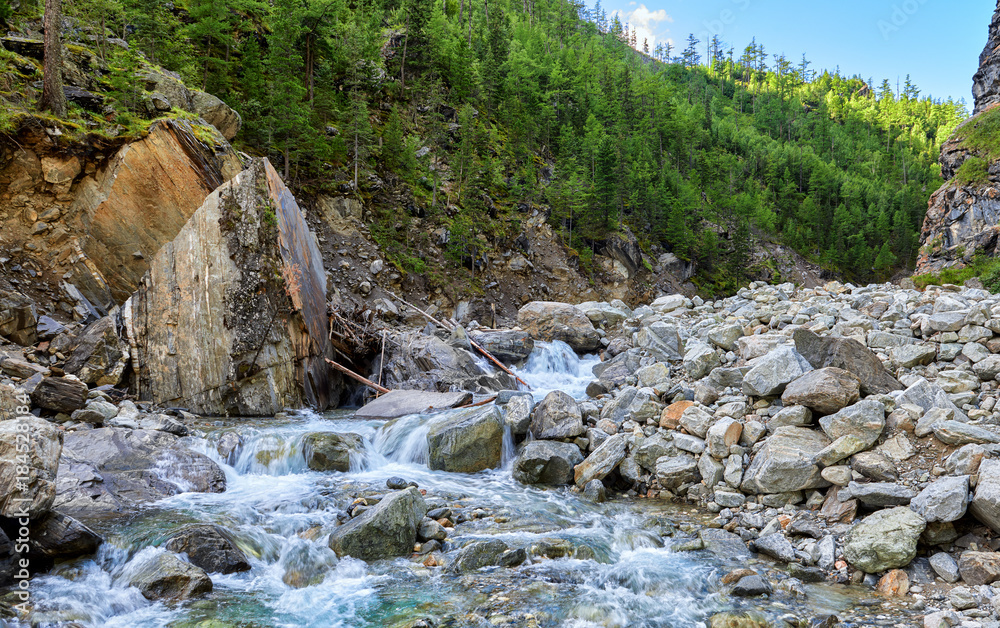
x,y
981,135
986,268
974,170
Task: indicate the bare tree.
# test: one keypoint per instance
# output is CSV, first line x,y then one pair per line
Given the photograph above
x,y
53,98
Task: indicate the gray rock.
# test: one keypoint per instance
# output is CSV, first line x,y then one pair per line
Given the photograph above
x,y
101,355
865,420
723,434
517,414
777,546
886,539
595,491
958,433
210,548
602,461
546,462
478,554
927,396
18,319
37,445
631,403
909,356
652,449
699,360
875,466
159,422
546,320
163,576
945,499
656,375
824,390
468,441
987,369
751,586
878,494
965,461
431,530
945,566
663,341
963,598
771,373
387,529
784,464
847,354
794,416
672,472
689,443
328,451
985,505
712,471
61,537
978,568
725,336
843,447
557,416
696,421
724,544
403,402
510,346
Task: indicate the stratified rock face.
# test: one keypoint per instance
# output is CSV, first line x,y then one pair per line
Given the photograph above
x,y
986,80
231,318
139,202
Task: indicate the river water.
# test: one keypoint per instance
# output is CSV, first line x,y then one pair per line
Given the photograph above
x,y
614,564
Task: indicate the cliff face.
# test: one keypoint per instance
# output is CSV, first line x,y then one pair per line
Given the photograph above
x,y
963,216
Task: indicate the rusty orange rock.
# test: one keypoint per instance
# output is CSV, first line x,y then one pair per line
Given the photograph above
x,y
671,415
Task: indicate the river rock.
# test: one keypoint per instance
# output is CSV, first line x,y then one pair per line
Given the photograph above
x,y
877,494
113,470
751,586
776,546
164,576
651,449
102,353
546,320
399,403
59,536
723,544
60,394
209,547
979,568
546,462
557,416
478,554
945,566
985,504
958,433
945,499
785,462
771,373
662,341
865,420
510,346
847,354
824,390
517,414
886,539
256,342
419,361
466,442
36,444
601,313
328,451
387,529
699,360
673,471
602,461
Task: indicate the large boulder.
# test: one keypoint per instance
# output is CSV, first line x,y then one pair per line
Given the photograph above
x,y
387,529
959,433
674,471
886,539
18,319
945,499
329,451
217,113
601,313
785,462
985,504
847,354
978,568
479,554
29,460
114,470
510,346
771,373
601,461
865,420
824,390
546,462
557,416
397,403
470,440
60,394
547,320
662,340
428,363
163,576
209,547
928,396
102,353
232,316
59,536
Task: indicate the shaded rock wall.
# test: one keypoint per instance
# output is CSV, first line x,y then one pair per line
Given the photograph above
x,y
231,318
986,80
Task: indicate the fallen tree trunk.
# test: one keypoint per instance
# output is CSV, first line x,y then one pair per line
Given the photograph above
x,y
355,376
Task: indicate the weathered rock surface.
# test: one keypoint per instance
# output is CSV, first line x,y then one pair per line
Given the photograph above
x,y
231,318
771,373
35,445
824,390
387,529
846,354
785,462
979,567
59,536
943,500
102,353
402,402
466,442
428,363
546,462
602,461
18,319
985,504
163,576
886,539
510,346
557,416
208,547
546,320
61,394
865,420
329,451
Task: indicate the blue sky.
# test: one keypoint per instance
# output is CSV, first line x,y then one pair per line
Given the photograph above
x,y
936,42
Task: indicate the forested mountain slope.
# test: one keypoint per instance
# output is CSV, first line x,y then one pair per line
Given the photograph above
x,y
467,114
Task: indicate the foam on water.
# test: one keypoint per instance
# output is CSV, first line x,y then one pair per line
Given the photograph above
x,y
555,366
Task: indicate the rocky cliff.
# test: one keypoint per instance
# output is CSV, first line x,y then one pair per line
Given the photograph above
x,y
963,216
231,317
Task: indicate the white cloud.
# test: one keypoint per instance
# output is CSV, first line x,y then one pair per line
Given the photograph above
x,y
646,24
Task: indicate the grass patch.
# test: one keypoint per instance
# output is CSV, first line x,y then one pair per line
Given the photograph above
x,y
986,268
982,135
973,170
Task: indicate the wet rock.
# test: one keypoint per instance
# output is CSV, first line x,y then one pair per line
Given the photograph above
x,y
210,548
602,461
546,320
784,463
387,529
328,451
673,471
865,420
771,373
478,554
508,346
557,416
594,491
399,403
468,441
886,539
945,566
102,353
517,414
824,390
985,504
945,499
979,567
62,537
751,586
109,470
431,530
163,576
738,620
776,546
60,394
546,462
847,354
37,445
